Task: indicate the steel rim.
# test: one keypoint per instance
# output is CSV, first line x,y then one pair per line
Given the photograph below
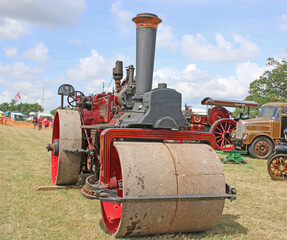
x,y
278,167
222,132
262,148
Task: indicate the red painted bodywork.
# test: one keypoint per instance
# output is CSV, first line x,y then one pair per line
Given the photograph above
x,y
107,136
101,111
206,123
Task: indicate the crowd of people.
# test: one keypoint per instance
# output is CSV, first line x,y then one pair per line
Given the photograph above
x,y
39,122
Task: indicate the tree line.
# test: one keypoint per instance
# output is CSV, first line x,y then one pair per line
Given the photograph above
x,y
25,108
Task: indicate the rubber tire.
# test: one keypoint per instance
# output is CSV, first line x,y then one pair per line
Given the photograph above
x,y
252,151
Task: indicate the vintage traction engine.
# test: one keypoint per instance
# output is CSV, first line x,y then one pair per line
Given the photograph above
x,y
150,177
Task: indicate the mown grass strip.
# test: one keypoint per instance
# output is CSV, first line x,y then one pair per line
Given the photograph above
x,y
260,212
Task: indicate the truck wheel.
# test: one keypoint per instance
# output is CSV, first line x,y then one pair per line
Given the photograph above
x,y
262,147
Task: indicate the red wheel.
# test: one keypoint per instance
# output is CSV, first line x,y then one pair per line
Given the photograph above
x,y
217,113
277,167
67,134
221,129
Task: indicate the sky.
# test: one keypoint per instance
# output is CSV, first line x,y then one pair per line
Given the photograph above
x,y
204,48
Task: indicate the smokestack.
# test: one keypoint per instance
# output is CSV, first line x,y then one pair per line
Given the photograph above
x,y
146,24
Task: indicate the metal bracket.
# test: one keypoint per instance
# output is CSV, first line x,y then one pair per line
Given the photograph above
x,y
96,191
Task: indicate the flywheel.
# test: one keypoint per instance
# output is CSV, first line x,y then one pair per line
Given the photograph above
x,y
67,135
154,176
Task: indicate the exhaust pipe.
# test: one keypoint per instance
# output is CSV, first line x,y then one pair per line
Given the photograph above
x,y
146,25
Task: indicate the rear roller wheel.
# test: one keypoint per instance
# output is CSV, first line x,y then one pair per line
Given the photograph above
x,y
67,134
164,169
277,167
222,129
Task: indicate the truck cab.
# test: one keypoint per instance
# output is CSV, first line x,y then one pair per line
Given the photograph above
x,y
258,136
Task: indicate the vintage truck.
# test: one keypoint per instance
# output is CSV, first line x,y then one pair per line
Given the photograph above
x,y
258,136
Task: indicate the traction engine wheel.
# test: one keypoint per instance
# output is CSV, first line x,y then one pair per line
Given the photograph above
x,y
261,147
67,135
217,113
188,169
221,129
277,167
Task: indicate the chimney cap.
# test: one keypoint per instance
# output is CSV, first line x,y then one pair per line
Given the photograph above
x,y
147,20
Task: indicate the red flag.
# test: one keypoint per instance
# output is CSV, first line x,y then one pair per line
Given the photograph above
x,y
18,95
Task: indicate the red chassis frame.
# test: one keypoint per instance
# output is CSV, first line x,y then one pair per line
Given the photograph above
x,y
108,135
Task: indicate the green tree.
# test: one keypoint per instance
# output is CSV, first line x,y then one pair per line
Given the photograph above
x,y
54,111
4,107
271,85
68,107
22,107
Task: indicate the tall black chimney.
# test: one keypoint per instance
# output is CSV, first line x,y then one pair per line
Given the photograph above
x,y
146,24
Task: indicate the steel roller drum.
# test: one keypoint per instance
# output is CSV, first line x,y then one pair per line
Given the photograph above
x,y
65,167
166,169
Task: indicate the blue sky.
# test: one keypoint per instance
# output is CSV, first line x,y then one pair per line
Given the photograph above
x,y
204,48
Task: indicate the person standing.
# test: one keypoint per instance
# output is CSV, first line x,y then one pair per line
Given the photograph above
x,y
40,123
35,121
46,123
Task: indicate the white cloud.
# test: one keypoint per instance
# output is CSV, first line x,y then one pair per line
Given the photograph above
x,y
283,22
11,52
94,70
123,18
166,39
30,92
198,48
195,84
247,72
6,96
52,13
37,53
90,68
19,70
11,28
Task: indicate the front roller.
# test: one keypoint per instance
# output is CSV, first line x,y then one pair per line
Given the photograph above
x,y
165,188
67,135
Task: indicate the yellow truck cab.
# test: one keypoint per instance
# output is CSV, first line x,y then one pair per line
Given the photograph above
x,y
259,135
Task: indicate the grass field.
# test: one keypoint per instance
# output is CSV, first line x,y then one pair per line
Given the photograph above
x,y
260,211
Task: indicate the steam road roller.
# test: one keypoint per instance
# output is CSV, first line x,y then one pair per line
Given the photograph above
x,y
150,177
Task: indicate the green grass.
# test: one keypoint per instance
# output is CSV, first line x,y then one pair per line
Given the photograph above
x,y
260,211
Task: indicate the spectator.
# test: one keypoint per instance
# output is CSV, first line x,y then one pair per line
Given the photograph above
x,y
35,121
46,123
40,123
